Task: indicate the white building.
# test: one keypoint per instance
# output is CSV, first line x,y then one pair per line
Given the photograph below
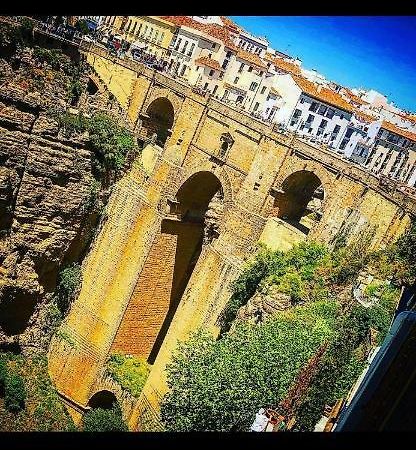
x,y
312,110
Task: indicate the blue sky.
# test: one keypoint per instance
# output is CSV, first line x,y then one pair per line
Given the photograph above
x,y
369,52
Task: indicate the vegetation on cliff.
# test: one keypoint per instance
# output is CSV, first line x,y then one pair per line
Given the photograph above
x,y
129,371
107,420
220,384
28,400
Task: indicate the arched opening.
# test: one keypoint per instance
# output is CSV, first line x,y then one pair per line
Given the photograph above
x,y
191,222
103,414
103,399
159,120
300,201
92,88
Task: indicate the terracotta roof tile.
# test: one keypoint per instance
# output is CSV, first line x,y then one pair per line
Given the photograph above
x,y
229,23
209,62
400,131
210,29
286,66
354,98
324,94
251,58
365,117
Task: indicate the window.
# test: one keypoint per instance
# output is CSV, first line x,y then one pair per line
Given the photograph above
x,y
221,75
313,107
139,29
250,69
213,45
263,89
183,70
225,94
302,100
241,68
323,123
297,113
215,89
184,47
191,49
310,119
239,99
330,113
178,43
236,80
134,28
322,109
205,86
349,132
211,73
260,73
156,35
228,55
343,144
225,64
128,25
145,29
161,37
341,116
256,106
253,86
267,110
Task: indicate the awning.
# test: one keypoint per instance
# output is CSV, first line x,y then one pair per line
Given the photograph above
x,y
138,44
91,24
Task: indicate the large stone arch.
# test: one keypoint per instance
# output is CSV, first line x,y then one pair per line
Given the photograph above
x,y
169,264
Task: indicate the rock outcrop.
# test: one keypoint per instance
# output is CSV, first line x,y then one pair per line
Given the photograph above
x,y
45,183
263,304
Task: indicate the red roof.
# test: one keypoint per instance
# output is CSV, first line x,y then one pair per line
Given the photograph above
x,y
209,62
364,117
251,58
400,131
354,98
210,29
322,93
286,66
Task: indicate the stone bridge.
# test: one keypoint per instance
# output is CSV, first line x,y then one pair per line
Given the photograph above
x,y
184,220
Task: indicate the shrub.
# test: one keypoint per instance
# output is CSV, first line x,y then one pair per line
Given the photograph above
x,y
218,385
15,393
130,372
69,280
98,419
75,90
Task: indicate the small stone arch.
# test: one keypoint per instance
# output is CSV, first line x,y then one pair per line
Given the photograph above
x,y
300,200
161,92
104,399
158,120
323,174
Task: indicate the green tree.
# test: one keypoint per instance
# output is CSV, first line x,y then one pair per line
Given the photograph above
x,y
15,393
82,26
218,385
107,420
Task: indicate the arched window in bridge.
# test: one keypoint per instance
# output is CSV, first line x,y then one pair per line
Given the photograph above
x,y
159,120
299,201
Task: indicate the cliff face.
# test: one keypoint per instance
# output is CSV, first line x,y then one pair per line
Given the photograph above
x,y
45,183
